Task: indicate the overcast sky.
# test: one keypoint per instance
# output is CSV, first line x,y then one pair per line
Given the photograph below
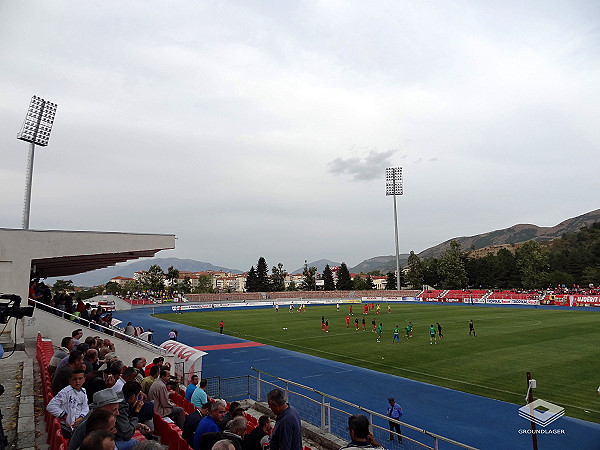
x,y
254,129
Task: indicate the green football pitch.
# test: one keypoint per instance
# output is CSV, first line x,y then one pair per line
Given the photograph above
x,y
560,348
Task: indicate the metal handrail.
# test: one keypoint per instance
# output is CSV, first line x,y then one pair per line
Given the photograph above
x,y
108,330
371,413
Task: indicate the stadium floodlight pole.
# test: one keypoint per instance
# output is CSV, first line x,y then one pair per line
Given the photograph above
x,y
393,186
36,130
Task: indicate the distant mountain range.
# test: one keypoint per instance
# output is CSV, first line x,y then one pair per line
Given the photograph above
x,y
513,235
102,276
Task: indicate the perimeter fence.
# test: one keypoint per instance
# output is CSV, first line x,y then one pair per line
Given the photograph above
x,y
328,413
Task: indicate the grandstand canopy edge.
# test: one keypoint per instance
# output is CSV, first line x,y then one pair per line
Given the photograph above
x,y
51,253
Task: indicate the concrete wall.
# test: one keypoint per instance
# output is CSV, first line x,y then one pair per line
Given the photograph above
x,y
55,328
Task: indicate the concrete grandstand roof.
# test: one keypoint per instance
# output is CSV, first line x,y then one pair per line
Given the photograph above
x,y
71,265
25,254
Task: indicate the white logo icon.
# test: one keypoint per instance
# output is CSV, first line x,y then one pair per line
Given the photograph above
x,y
542,418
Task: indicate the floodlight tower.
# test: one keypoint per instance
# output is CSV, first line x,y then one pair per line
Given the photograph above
x,y
393,186
36,130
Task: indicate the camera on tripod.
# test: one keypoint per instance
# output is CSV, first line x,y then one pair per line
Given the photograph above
x,y
13,308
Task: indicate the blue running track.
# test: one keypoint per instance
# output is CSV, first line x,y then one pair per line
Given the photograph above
x,y
477,421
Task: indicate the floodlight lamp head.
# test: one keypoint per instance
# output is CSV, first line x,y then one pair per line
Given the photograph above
x,y
393,181
38,122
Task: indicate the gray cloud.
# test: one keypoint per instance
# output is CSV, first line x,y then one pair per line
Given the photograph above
x,y
369,168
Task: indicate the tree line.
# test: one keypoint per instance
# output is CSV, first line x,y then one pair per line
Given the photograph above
x,y
259,280
573,259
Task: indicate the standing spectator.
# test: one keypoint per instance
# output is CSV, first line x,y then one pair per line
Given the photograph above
x,y
252,441
70,405
209,423
361,437
394,411
191,388
163,405
66,347
84,315
199,397
287,434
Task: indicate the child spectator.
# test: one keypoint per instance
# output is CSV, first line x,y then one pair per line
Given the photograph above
x,y
70,405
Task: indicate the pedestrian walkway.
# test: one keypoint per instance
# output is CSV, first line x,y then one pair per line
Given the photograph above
x,y
19,401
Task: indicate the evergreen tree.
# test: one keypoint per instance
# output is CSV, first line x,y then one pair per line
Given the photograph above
x,y
205,285
414,275
328,283
532,261
431,273
263,283
172,277
153,279
390,284
359,283
251,280
370,284
344,282
309,283
452,267
278,274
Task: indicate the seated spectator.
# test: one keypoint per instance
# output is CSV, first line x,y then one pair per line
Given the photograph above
x,y
98,440
138,364
191,423
70,405
209,423
129,330
128,374
129,414
158,361
223,444
199,396
98,380
91,360
150,379
61,377
229,414
103,416
77,334
358,427
66,347
236,429
254,439
151,445
191,388
163,405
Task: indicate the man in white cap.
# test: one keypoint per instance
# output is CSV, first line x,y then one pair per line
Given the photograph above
x,y
105,399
